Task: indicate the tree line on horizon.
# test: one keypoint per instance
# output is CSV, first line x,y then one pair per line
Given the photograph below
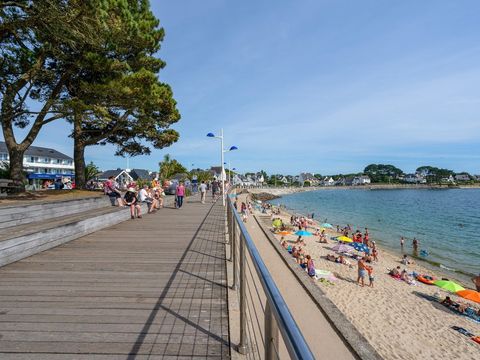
x,y
379,173
91,63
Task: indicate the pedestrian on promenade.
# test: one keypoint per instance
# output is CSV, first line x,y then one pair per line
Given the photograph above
x,y
180,192
203,192
215,187
112,189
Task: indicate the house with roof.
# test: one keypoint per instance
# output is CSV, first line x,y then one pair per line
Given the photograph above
x,y
328,181
42,164
361,180
140,174
121,176
216,172
462,177
415,179
450,179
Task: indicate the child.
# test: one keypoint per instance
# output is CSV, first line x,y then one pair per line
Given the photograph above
x,y
371,278
131,200
310,266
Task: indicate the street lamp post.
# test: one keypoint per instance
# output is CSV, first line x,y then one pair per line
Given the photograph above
x,y
222,162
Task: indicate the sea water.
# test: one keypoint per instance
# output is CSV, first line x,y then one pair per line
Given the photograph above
x,y
446,222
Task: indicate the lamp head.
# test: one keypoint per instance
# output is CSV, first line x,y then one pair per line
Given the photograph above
x,y
233,148
210,135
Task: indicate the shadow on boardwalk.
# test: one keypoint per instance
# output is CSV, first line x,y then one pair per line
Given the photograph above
x,y
199,275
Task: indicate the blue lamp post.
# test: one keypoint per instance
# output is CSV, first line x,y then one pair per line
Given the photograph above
x,y
222,161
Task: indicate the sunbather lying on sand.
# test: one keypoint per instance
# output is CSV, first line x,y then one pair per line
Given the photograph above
x,y
339,260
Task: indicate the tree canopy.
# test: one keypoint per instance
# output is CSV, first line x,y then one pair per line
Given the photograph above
x,y
170,167
92,62
382,172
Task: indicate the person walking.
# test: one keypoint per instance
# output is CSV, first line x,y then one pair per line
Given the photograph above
x,y
215,187
203,192
180,193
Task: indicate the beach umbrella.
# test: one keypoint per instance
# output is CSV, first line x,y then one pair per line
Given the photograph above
x,y
448,285
327,225
303,233
342,248
360,247
469,295
344,239
277,223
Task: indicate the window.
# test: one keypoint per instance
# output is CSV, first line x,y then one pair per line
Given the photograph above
x,y
33,159
59,161
46,160
3,156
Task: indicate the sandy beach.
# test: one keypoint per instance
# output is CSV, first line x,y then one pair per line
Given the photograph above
x,y
394,316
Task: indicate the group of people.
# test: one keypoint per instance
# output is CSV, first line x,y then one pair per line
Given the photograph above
x,y
152,195
301,257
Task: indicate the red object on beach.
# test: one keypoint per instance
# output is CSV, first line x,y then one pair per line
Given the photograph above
x,y
469,295
425,279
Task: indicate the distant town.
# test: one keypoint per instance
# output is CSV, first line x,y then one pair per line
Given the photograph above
x,y
44,165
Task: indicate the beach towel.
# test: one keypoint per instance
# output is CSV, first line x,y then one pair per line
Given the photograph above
x,y
469,313
461,330
467,333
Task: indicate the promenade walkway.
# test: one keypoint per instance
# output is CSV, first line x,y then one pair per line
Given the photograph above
x,y
152,288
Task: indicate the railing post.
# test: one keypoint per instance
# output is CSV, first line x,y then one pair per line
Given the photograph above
x,y
229,228
234,256
271,333
242,346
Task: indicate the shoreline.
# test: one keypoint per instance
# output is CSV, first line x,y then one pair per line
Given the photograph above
x,y
463,277
394,317
278,191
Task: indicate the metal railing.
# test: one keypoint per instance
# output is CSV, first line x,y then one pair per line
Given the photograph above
x,y
263,311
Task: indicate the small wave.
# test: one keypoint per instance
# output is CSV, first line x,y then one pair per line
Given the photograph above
x,y
447,268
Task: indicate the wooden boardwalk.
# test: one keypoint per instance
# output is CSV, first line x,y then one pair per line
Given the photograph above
x,y
152,288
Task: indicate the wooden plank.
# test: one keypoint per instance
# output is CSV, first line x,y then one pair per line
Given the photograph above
x,y
149,287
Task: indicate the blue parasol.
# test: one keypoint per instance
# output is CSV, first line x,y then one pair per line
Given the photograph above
x,y
303,233
360,247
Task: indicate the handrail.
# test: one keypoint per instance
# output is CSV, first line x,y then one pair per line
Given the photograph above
x,y
295,343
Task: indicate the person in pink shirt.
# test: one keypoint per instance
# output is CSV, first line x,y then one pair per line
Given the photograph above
x,y
180,193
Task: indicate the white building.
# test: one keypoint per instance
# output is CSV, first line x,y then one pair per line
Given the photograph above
x,y
415,179
328,181
361,180
43,165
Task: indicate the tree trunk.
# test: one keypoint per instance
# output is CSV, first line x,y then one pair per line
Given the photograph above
x,y
79,158
79,154
16,165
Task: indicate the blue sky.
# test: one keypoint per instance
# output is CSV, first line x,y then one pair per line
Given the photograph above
x,y
319,86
